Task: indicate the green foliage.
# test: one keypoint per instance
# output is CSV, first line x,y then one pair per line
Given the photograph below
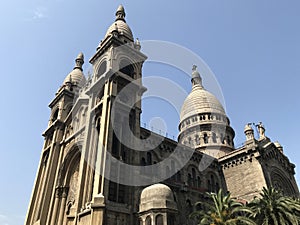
x,y
222,210
272,208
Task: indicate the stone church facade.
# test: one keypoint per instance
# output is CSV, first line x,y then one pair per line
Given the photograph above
x,y
83,176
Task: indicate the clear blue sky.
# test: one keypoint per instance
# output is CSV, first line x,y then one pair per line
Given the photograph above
x,y
253,48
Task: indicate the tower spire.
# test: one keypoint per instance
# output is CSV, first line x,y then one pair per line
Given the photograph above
x,y
120,14
196,78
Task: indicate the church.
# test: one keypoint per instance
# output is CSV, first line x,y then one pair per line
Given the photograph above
x,y
99,166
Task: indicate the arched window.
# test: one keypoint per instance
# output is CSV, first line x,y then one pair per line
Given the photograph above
x,y
189,179
127,68
198,182
205,138
222,139
212,183
197,140
148,220
159,220
214,137
102,69
193,176
55,115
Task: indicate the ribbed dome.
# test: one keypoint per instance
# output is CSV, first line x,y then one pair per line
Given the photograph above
x,y
200,101
122,28
157,192
76,76
120,24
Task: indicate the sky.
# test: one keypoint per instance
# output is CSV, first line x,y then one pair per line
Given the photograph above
x,y
252,47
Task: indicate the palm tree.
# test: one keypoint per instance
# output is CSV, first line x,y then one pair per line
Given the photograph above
x,y
222,210
272,208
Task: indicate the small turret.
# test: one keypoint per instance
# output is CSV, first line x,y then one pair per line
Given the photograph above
x,y
76,76
249,132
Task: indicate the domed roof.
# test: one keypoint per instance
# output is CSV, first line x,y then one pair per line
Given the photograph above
x,y
200,101
248,127
120,24
76,76
157,196
155,192
122,27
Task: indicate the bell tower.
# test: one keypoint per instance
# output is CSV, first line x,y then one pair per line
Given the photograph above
x,y
77,180
117,65
45,184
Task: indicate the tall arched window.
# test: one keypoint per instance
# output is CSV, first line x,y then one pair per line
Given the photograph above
x,y
55,115
197,140
198,182
193,176
205,138
127,68
190,181
214,137
148,220
159,220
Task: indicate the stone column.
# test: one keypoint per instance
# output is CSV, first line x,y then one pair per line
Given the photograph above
x,y
62,204
58,194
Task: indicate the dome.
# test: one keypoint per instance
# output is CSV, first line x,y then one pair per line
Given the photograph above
x,y
122,27
120,24
157,191
157,196
200,101
248,128
76,76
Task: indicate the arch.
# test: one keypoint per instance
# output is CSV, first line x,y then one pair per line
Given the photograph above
x,y
159,220
68,108
197,139
101,67
214,137
126,67
55,114
213,182
69,162
280,182
205,138
148,221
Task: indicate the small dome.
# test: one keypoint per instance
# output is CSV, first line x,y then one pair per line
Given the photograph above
x,y
248,127
200,101
76,77
157,191
122,28
157,196
120,24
